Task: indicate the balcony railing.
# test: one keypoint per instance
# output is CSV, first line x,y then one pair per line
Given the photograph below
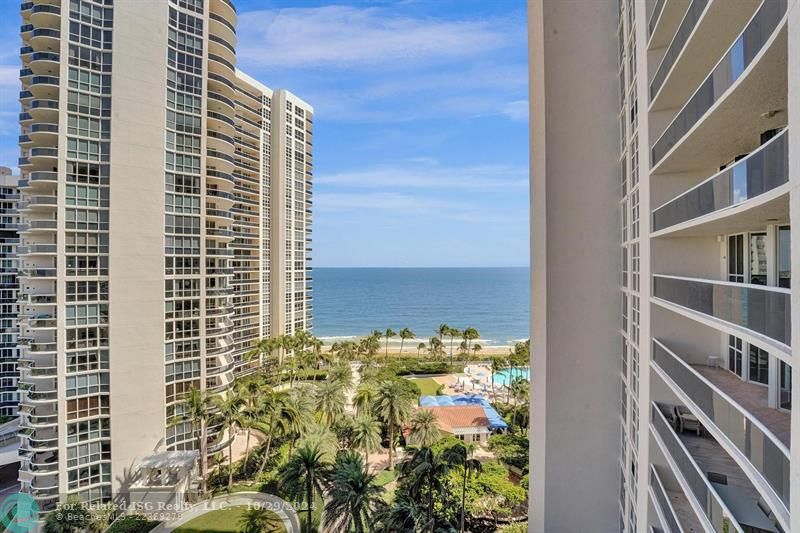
x,y
701,490
663,502
651,25
689,22
723,76
760,309
757,444
762,171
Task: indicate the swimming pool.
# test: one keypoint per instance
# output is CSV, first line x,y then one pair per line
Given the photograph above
x,y
502,377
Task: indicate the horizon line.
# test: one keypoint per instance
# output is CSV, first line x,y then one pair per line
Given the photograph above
x,y
422,266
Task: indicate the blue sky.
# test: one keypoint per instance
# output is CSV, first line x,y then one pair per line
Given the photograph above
x,y
421,139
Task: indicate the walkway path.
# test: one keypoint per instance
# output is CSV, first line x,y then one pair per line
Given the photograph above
x,y
269,502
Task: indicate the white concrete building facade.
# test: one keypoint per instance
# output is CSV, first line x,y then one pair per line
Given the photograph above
x,y
663,193
150,167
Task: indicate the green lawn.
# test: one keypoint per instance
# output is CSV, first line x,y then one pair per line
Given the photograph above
x,y
428,386
221,521
384,477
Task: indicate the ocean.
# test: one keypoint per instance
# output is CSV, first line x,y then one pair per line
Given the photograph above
x,y
350,302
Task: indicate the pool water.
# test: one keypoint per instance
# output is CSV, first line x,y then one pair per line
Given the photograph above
x,y
502,377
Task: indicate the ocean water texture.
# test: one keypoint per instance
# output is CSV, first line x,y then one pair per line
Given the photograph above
x,y
350,302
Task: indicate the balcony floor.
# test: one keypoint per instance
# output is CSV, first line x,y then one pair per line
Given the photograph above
x,y
710,457
751,397
686,515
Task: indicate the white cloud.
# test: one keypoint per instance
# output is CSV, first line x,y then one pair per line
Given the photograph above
x,y
517,110
429,175
333,36
383,201
9,76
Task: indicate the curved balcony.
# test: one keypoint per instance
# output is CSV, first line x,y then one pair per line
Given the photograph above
x,y
760,312
706,31
219,141
221,47
221,104
220,234
222,162
225,9
37,249
764,170
45,15
219,252
43,63
43,38
36,299
662,503
715,515
220,65
43,110
35,225
38,273
38,417
746,58
221,84
35,398
221,123
220,215
43,133
221,26
224,196
41,86
761,454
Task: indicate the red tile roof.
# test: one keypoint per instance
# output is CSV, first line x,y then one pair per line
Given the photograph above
x,y
459,416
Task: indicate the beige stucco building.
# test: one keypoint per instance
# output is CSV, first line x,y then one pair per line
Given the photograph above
x,y
664,188
166,219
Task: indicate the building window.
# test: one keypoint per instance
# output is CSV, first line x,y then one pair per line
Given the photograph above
x,y
759,365
735,355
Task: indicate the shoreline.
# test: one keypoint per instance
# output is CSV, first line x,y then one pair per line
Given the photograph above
x,y
410,345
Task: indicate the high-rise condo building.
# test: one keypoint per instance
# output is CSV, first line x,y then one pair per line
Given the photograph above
x,y
166,217
664,188
9,238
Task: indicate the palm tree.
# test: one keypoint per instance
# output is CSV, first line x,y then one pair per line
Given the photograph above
x,y
229,411
459,455
302,476
363,398
70,516
435,347
421,346
195,408
405,334
301,403
424,429
452,333
329,401
389,333
442,331
470,334
343,375
476,348
497,365
393,405
426,469
257,519
354,497
250,391
366,436
270,408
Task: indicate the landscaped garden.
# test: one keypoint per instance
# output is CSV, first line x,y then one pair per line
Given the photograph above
x,y
341,428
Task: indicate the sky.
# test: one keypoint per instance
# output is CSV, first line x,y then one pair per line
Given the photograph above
x,y
420,122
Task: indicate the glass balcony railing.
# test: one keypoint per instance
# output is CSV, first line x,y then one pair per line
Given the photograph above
x,y
723,76
689,22
762,171
663,502
701,489
760,309
657,9
756,443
